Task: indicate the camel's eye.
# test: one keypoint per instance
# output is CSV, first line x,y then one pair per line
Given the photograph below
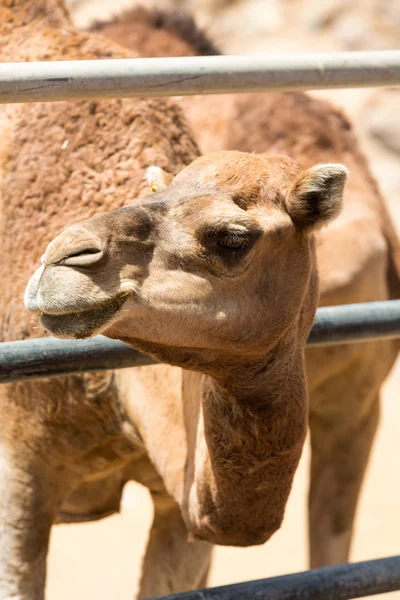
x,y
232,241
230,238
229,244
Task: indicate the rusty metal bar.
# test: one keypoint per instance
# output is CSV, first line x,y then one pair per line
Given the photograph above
x,y
112,78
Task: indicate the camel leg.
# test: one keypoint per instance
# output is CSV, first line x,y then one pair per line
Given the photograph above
x,y
172,564
340,443
29,499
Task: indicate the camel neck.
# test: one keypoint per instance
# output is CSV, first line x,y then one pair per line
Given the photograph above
x,y
260,383
255,379
248,441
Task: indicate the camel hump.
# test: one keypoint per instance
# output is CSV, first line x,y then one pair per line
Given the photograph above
x,y
179,25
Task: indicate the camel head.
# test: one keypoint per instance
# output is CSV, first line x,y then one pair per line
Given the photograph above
x,y
219,258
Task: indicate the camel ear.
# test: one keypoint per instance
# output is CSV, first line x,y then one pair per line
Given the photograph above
x,y
316,196
158,179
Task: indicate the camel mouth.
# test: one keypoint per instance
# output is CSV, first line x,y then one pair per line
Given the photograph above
x,y
84,323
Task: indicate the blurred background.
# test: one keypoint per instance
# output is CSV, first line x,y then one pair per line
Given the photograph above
x,y
102,560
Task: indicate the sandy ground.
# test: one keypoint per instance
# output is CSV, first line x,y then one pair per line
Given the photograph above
x,y
102,560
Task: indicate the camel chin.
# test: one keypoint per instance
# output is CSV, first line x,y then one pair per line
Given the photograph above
x,y
82,324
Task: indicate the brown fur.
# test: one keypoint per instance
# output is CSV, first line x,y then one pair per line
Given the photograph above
x,y
359,261
157,33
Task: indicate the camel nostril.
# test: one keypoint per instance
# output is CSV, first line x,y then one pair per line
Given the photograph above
x,y
83,258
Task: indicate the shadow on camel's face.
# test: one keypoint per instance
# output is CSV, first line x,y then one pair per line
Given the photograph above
x,y
218,257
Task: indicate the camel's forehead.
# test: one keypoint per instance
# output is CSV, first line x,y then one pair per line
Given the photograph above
x,y
247,179
227,168
224,186
206,208
189,196
193,206
193,203
176,206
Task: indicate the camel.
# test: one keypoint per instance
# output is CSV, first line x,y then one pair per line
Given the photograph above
x,y
359,261
68,445
215,275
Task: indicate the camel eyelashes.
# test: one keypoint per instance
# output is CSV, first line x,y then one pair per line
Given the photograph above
x,y
232,241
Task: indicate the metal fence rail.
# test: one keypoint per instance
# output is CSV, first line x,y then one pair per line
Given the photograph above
x,y
343,582
50,357
112,78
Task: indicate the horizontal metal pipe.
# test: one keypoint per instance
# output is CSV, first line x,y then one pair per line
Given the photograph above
x,y
355,323
112,78
342,582
49,357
